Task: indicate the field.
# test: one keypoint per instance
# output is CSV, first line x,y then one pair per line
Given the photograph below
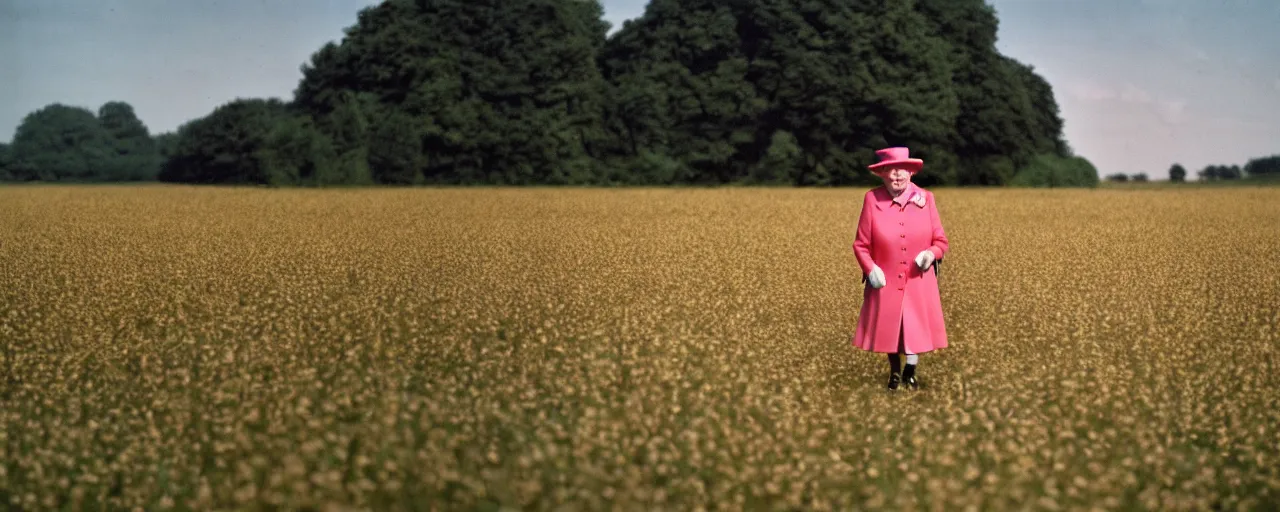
x,y
237,348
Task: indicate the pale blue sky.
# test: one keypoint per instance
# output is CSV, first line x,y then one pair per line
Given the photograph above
x,y
1141,83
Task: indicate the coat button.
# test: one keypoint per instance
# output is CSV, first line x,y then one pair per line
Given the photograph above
x,y
899,287
902,236
902,223
899,275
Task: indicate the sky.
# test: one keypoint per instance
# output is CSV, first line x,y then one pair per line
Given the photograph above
x,y
1141,84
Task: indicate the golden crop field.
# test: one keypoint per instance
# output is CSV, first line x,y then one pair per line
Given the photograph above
x,y
685,349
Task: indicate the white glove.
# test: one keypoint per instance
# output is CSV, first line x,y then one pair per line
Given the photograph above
x,y
876,277
924,259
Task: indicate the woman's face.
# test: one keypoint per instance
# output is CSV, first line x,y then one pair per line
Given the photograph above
x,y
896,180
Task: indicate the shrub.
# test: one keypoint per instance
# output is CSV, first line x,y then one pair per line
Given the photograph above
x,y
1052,171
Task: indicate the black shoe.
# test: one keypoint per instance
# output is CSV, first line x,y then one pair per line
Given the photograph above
x,y
893,381
909,377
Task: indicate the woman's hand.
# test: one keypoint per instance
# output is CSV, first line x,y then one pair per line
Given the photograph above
x,y
876,277
924,259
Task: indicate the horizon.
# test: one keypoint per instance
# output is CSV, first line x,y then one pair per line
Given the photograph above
x,y
1140,85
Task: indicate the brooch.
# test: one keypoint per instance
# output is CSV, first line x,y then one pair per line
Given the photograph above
x,y
918,199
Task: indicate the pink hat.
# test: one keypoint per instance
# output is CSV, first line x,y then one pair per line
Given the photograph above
x,y
896,157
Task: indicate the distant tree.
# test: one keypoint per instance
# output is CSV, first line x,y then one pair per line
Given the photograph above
x,y
700,116
395,150
294,152
133,151
1140,177
227,146
1269,165
1118,177
493,92
1008,114
1177,173
782,162
166,143
60,143
6,161
1050,170
1220,172
711,83
529,92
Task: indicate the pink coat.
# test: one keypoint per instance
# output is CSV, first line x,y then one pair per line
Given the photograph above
x,y
891,235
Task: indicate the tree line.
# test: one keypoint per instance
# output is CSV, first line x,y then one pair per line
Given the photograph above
x,y
525,92
1267,167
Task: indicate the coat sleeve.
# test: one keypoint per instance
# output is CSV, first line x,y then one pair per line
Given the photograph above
x,y
940,244
862,241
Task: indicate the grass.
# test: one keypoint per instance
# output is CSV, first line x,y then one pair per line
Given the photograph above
x,y
173,347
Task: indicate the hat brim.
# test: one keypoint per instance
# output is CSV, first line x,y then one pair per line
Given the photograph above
x,y
911,164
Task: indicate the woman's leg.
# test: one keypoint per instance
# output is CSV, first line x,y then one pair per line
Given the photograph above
x,y
909,373
895,361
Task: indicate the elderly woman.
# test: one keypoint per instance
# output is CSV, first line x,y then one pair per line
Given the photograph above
x,y
899,238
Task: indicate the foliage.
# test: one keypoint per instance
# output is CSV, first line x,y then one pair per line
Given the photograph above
x,y
134,156
1220,172
532,92
468,92
1268,165
1008,113
59,143
1177,173
229,145
1050,170
295,152
783,161
68,143
6,162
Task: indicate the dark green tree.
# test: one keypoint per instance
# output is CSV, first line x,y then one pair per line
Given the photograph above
x,y
499,93
6,162
679,77
294,152
1008,113
782,163
1263,166
133,151
60,143
711,83
1050,170
919,105
1220,172
227,145
395,149
166,143
1177,173
529,92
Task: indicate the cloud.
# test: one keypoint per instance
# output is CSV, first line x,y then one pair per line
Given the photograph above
x,y
1169,110
1090,91
1133,94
